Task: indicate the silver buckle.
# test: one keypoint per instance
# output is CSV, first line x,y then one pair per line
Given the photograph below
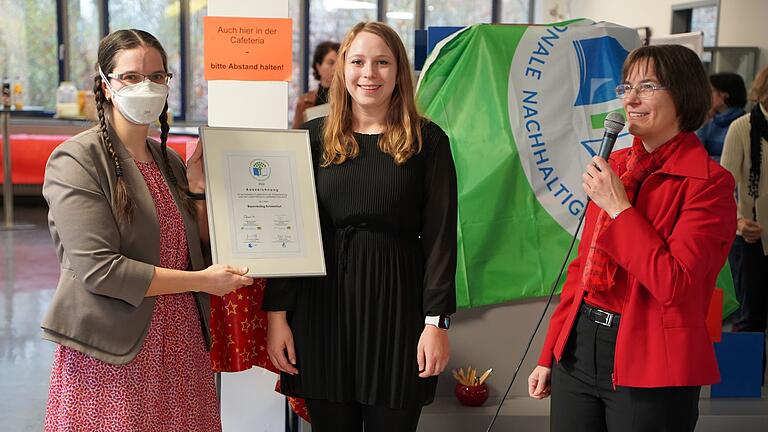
x,y
607,322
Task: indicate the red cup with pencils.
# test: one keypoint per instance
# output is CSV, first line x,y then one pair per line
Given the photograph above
x,y
471,390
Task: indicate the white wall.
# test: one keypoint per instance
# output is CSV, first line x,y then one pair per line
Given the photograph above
x,y
656,14
742,23
495,337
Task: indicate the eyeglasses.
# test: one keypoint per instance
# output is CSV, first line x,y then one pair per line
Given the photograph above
x,y
644,90
136,78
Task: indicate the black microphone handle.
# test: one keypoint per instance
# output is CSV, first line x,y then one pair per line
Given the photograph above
x,y
609,139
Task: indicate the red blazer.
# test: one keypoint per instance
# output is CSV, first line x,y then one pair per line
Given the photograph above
x,y
672,244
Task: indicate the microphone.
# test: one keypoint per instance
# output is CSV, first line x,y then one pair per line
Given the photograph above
x,y
613,125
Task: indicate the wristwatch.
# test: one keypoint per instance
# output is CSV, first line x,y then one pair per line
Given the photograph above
x,y
439,321
616,214
197,196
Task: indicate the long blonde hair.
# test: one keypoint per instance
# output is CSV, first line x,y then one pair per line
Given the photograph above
x,y
402,134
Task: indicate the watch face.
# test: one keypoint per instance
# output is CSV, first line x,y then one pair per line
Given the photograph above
x,y
445,322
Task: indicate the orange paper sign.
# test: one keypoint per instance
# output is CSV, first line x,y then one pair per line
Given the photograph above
x,y
247,49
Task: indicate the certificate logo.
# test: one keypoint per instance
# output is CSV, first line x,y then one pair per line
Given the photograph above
x,y
259,169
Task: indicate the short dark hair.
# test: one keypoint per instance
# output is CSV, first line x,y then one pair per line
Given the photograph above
x,y
733,84
678,69
321,50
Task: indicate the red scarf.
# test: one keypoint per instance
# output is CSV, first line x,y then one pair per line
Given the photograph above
x,y
599,268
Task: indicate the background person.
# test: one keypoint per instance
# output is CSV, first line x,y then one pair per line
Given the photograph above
x,y
746,145
728,99
323,65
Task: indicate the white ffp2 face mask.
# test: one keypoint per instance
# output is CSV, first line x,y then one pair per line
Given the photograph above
x,y
139,103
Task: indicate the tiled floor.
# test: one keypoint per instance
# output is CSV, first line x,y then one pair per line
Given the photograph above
x,y
28,274
29,271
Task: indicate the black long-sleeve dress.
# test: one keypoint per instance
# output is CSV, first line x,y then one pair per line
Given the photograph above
x,y
389,236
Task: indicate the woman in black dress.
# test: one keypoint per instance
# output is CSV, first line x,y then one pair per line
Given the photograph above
x,y
364,345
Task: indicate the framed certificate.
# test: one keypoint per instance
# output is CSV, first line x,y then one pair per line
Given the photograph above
x,y
262,205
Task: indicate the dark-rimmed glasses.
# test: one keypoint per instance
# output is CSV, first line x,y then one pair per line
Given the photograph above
x,y
644,90
136,78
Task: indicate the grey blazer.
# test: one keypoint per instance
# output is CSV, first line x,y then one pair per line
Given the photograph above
x,y
99,307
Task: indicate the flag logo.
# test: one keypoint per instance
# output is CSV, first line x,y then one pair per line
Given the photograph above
x,y
600,61
561,88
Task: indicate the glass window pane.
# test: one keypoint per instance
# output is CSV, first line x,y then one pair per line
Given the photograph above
x,y
162,19
457,12
331,20
198,97
401,17
704,19
83,43
28,49
294,87
514,11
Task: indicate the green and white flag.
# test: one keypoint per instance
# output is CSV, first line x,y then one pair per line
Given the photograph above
x,y
524,106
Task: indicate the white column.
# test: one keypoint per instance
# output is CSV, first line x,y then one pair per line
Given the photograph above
x,y
248,399
248,103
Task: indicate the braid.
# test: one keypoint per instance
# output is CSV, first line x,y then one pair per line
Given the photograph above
x,y
181,191
122,198
164,127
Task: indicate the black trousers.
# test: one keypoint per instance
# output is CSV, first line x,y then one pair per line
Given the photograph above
x,y
354,417
751,287
751,291
583,397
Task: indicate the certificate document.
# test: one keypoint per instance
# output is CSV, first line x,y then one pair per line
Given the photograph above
x,y
262,206
265,204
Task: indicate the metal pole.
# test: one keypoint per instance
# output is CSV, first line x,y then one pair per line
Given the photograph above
x,y
7,185
8,224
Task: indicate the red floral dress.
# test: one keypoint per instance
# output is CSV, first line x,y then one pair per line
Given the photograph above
x,y
169,386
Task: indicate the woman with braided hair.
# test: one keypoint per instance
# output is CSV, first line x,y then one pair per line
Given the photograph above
x,y
130,313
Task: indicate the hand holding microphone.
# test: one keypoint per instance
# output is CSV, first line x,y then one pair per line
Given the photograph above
x,y
601,184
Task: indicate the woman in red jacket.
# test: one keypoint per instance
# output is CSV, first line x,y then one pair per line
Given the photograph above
x,y
627,348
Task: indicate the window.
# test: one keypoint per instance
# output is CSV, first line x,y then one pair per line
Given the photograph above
x,y
83,41
704,19
457,12
332,19
29,40
161,18
401,17
28,48
701,18
514,11
294,87
198,97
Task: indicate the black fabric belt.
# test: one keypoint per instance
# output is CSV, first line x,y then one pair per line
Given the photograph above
x,y
599,316
346,233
